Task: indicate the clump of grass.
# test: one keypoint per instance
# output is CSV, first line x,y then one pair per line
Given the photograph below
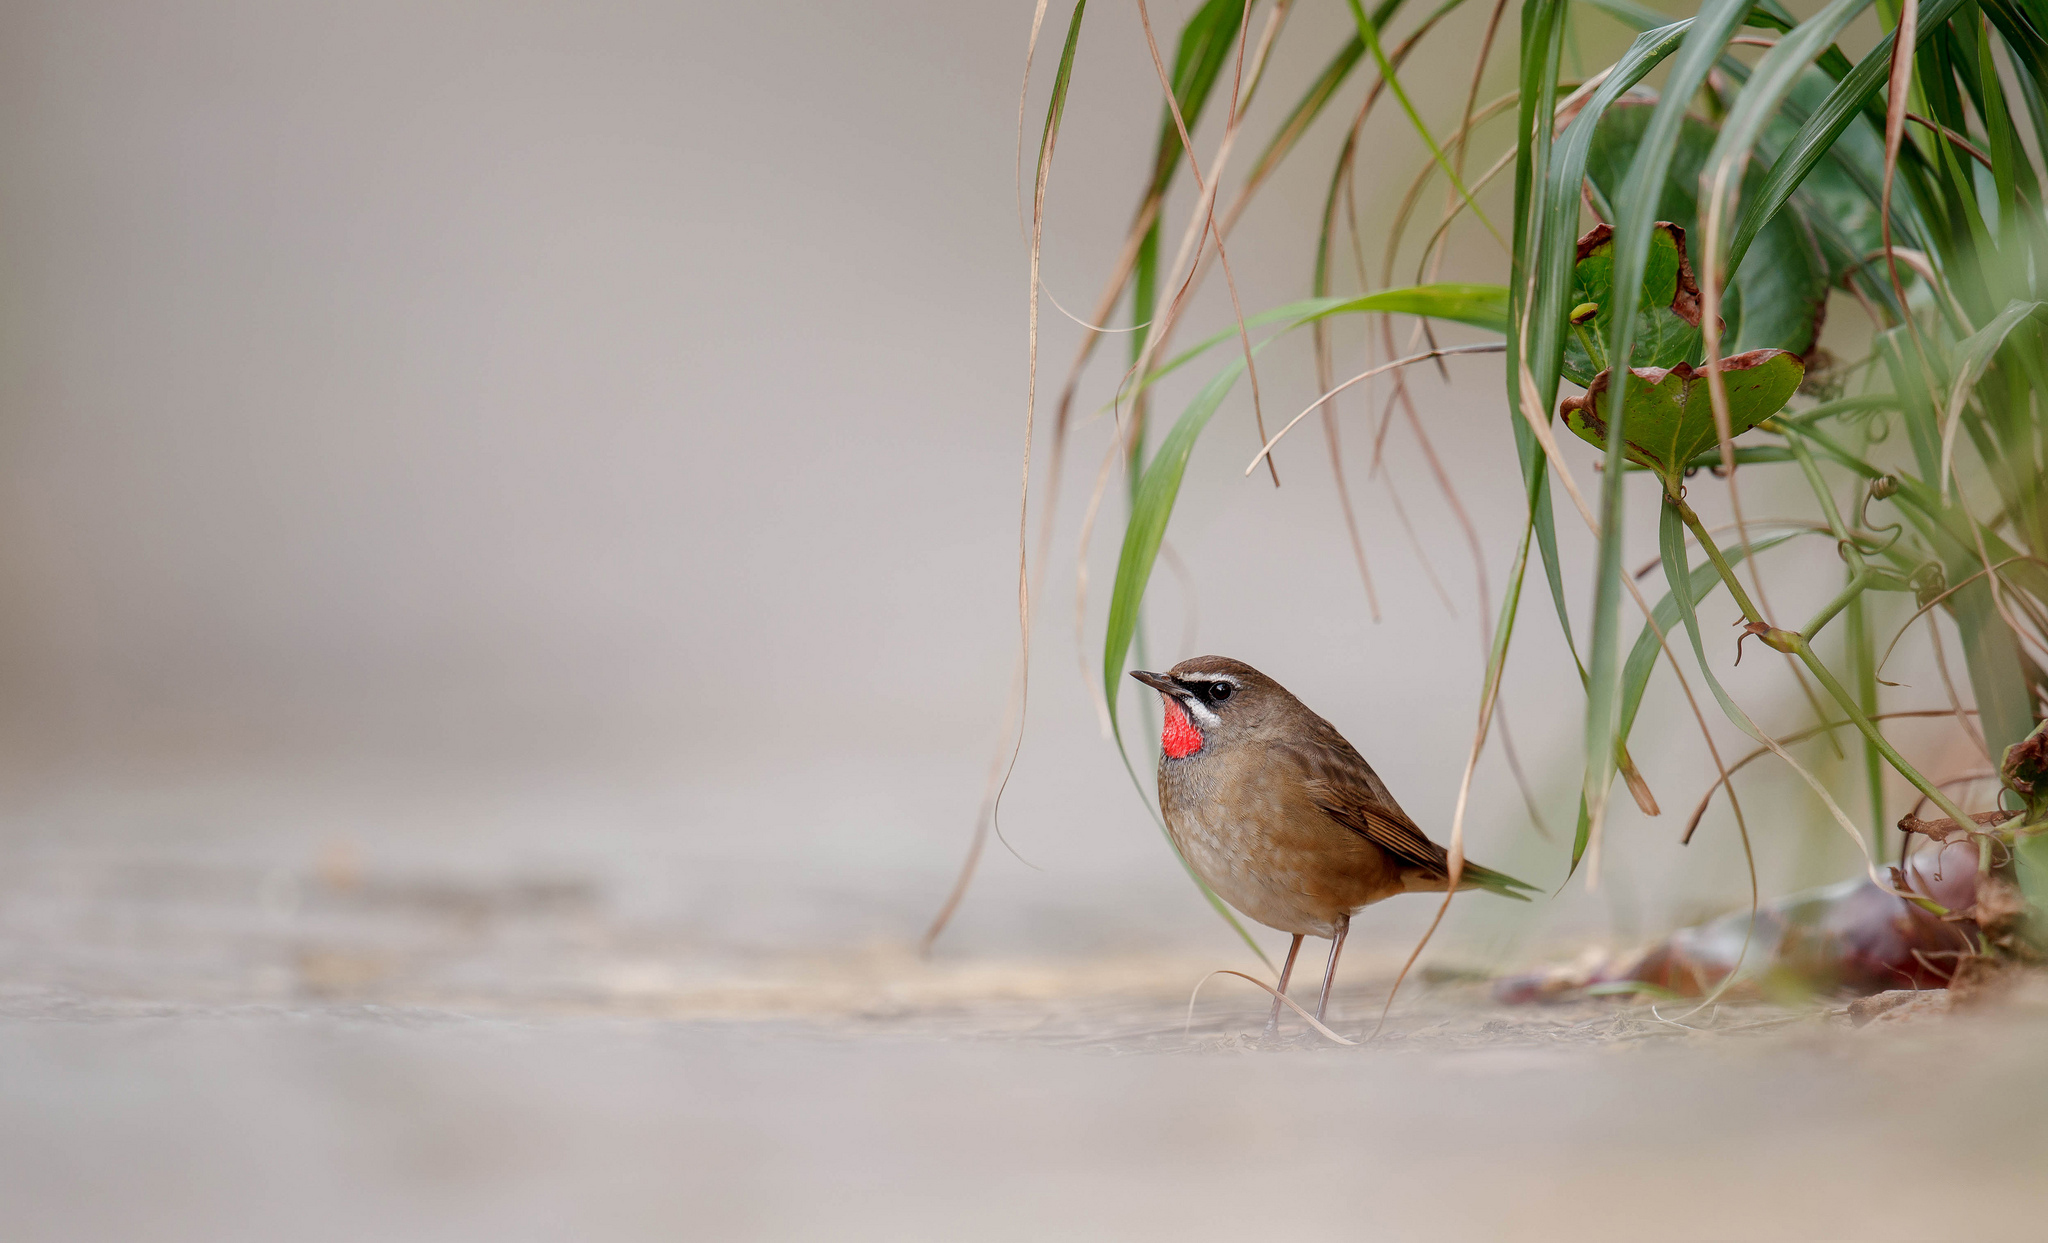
x,y
1670,255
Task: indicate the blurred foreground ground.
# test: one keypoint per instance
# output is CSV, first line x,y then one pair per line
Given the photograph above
x,y
205,1052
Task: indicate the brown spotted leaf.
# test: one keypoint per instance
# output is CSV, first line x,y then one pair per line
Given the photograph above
x,y
1671,413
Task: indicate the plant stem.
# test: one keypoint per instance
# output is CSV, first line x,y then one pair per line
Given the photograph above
x,y
1857,641
1855,588
1804,456
1721,566
1785,641
1598,359
1860,576
1898,762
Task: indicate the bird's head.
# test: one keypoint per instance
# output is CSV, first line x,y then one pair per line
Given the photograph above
x,y
1210,701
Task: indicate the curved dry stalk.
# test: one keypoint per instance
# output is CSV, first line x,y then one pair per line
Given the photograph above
x,y
1487,347
1325,380
1061,307
1320,335
1185,577
1415,541
1531,404
1161,324
991,799
1898,88
1507,746
1755,905
1955,701
2023,635
1450,491
1311,1019
1372,597
1908,623
1943,131
1432,250
1431,262
1195,169
1699,717
1826,727
1500,7
1923,267
1023,98
1254,180
1021,681
1102,478
1181,275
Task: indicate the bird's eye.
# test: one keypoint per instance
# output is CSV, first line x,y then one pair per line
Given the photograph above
x,y
1220,691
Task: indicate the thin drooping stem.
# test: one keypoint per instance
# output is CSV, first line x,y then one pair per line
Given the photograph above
x,y
1869,729
1721,567
1796,644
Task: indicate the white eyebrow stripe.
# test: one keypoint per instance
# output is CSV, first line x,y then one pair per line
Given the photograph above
x,y
1208,677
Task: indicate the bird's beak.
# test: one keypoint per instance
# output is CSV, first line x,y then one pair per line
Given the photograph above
x,y
1157,681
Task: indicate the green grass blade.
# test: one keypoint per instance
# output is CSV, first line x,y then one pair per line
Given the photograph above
x,y
1056,108
1557,252
1368,30
1894,347
1671,548
1480,306
1642,661
1972,356
1205,45
1703,44
1996,675
1769,85
1547,180
1542,45
2028,46
1642,658
1307,109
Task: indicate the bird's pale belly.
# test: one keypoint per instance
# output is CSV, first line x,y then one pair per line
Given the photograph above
x,y
1298,873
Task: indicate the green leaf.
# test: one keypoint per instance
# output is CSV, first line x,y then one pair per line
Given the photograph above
x,y
1670,417
1778,295
1667,326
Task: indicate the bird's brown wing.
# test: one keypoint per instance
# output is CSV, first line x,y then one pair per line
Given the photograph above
x,y
1346,789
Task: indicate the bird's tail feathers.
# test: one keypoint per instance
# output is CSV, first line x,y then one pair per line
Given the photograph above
x,y
1477,877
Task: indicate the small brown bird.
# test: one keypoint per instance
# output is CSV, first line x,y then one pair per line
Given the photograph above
x,y
1283,818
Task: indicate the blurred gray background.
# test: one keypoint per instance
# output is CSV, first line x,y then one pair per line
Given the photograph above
x,y
583,439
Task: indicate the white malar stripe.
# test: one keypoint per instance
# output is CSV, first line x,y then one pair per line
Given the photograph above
x,y
1203,717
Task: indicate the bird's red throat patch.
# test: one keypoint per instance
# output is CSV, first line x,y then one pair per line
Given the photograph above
x,y
1178,738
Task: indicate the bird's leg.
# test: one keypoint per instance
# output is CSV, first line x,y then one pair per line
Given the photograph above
x,y
1330,972
1287,969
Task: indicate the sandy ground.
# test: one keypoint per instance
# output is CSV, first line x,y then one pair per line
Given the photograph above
x,y
352,1056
